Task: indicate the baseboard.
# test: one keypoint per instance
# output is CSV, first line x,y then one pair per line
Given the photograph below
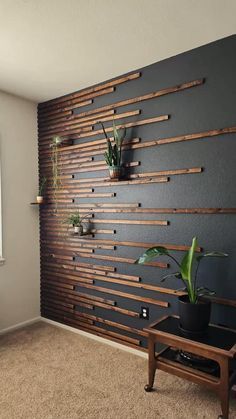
x,y
97,338
20,325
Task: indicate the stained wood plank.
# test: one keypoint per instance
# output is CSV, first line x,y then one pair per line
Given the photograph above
x,y
60,114
84,127
131,222
146,121
159,179
73,121
148,96
71,104
95,209
186,137
90,297
120,310
89,123
113,324
168,172
127,295
97,195
121,260
94,89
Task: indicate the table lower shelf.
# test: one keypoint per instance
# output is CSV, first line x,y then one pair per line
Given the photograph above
x,y
169,360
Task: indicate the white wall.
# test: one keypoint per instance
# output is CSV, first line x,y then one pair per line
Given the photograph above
x,y
19,276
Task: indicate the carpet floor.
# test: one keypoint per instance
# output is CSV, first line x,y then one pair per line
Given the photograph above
x,y
49,373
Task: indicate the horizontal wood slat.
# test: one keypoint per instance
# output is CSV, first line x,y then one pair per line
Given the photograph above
x,y
126,295
113,324
153,95
75,300
94,330
72,121
56,114
144,245
79,277
186,137
127,222
71,104
121,260
84,127
127,125
115,82
126,210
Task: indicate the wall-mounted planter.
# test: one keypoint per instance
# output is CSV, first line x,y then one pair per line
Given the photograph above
x,y
39,199
115,172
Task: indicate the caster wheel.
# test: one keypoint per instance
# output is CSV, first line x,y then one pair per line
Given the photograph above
x,y
148,388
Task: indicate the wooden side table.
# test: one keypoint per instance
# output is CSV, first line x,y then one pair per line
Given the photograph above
x,y
218,346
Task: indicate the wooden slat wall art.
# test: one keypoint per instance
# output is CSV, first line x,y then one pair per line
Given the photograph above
x,y
84,279
176,139
87,126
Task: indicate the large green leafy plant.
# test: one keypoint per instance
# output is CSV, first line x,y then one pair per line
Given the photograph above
x,y
187,268
114,151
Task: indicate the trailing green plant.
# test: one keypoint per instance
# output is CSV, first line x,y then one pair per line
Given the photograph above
x,y
42,185
114,151
75,219
187,268
56,180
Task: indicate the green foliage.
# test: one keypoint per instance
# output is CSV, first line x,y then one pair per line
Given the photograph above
x,y
56,141
56,181
75,219
188,264
42,185
114,151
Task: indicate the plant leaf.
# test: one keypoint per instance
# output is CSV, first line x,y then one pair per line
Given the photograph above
x,y
204,291
211,254
119,135
151,253
187,261
175,274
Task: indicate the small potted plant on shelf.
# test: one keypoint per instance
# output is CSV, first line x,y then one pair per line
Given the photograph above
x,y
114,151
194,309
77,222
42,184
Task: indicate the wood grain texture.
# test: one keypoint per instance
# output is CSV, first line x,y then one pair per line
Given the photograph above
x,y
127,125
148,96
127,295
71,104
80,283
76,300
84,127
71,121
85,92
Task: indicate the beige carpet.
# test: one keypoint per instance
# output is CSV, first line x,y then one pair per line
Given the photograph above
x,y
50,373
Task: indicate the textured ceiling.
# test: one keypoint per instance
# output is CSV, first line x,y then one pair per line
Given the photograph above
x,y
52,47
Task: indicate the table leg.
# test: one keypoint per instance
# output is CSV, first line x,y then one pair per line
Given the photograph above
x,y
224,388
151,364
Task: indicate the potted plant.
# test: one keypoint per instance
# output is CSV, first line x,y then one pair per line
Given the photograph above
x,y
42,185
76,220
113,153
56,180
194,309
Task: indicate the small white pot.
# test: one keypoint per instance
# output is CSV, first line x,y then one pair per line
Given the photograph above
x,y
78,230
39,199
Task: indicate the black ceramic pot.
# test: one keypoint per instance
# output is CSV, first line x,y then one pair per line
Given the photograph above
x,y
194,318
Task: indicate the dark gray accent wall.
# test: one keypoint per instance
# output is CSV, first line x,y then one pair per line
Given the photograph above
x,y
206,107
